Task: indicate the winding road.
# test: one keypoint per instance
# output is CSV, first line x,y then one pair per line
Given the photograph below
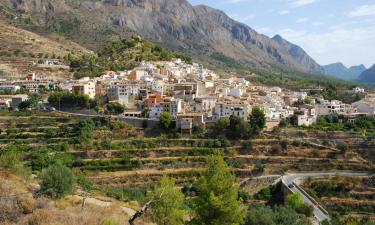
x,y
291,182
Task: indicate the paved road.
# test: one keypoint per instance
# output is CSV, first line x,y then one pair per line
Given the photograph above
x,y
291,180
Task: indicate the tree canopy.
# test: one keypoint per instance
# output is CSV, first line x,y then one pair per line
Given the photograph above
x,y
217,202
57,181
165,120
279,215
168,208
257,120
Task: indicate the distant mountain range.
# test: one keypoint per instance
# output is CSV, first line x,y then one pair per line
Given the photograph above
x,y
339,70
368,76
205,33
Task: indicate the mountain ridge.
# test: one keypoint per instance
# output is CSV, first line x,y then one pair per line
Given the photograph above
x,y
200,30
339,70
368,76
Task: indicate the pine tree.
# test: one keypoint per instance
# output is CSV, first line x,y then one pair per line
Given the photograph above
x,y
217,202
168,209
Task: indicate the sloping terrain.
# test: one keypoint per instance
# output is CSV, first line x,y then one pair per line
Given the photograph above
x,y
340,71
368,76
20,51
203,32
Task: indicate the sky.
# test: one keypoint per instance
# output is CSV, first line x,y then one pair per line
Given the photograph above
x,y
329,30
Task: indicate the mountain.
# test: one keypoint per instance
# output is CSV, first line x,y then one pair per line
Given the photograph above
x,y
203,32
339,70
299,55
367,76
20,50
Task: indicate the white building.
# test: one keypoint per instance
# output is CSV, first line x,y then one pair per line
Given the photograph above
x,y
325,107
17,99
227,109
204,104
158,86
306,117
366,105
123,92
170,105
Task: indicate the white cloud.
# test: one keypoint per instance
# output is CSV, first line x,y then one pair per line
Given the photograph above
x,y
302,20
364,10
299,3
317,23
241,18
284,12
351,46
264,30
235,1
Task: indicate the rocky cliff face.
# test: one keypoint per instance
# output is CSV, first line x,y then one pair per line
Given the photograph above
x,y
368,76
200,30
298,54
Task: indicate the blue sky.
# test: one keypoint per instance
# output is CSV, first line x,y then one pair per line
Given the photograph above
x,y
329,30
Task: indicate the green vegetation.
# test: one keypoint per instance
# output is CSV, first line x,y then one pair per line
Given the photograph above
x,y
257,120
237,128
294,201
168,208
338,220
217,201
266,193
115,108
279,215
165,120
68,100
293,79
124,54
128,194
331,123
83,130
57,181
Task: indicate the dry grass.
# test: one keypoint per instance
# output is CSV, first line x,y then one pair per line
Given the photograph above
x,y
19,48
24,209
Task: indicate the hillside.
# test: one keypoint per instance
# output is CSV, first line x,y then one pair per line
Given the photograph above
x,y
21,49
203,32
299,55
368,76
121,54
340,71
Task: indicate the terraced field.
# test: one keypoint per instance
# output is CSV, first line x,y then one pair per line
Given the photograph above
x,y
348,196
117,155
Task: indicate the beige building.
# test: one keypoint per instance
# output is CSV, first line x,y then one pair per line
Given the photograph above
x,y
86,88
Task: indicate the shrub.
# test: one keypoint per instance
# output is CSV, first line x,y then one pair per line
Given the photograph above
x,y
57,181
165,120
342,146
306,210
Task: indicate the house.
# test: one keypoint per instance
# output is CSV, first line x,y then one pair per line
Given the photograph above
x,y
101,88
204,104
229,108
306,116
137,74
366,105
17,99
325,107
86,88
169,104
5,101
152,100
158,86
186,121
358,90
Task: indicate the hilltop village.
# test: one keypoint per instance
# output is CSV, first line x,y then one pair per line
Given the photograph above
x,y
192,95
